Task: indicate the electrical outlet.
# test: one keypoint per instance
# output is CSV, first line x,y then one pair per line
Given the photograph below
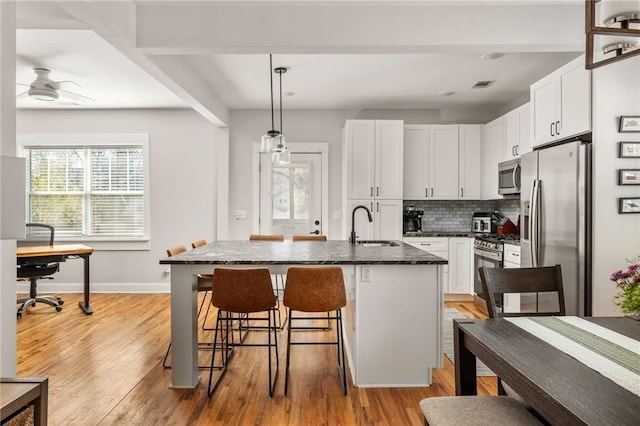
x,y
166,272
365,274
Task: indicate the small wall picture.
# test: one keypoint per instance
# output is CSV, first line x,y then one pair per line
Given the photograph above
x,y
629,205
629,150
630,123
629,177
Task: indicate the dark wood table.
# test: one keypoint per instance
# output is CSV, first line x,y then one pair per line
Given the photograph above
x,y
559,387
60,253
16,393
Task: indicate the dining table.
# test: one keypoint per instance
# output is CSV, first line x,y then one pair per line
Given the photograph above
x,y
570,370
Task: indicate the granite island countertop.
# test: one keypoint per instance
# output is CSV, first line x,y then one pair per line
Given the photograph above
x,y
287,252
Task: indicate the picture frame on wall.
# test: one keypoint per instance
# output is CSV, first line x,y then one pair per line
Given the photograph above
x,y
629,150
629,123
628,205
629,177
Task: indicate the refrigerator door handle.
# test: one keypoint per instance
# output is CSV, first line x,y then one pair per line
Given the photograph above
x,y
534,226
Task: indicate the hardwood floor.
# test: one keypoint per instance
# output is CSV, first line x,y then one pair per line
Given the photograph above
x,y
107,369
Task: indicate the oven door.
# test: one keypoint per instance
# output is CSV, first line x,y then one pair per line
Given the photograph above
x,y
488,258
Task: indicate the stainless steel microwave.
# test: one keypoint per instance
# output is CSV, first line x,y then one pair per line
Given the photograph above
x,y
509,177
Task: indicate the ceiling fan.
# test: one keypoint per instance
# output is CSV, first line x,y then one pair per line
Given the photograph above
x,y
45,89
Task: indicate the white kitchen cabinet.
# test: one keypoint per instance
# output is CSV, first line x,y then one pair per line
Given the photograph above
x,y
461,265
493,149
387,219
511,260
373,159
442,162
561,103
517,132
469,161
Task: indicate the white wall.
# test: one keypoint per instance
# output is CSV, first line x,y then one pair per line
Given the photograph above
x,y
616,92
182,185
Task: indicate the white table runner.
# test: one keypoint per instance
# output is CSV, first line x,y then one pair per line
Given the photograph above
x,y
611,354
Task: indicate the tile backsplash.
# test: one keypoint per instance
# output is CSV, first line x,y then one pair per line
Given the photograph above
x,y
455,215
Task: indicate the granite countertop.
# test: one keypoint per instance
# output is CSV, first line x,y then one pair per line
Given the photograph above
x,y
287,252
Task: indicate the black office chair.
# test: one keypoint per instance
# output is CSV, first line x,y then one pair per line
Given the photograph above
x,y
33,270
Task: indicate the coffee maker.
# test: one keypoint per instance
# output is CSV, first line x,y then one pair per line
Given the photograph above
x,y
411,220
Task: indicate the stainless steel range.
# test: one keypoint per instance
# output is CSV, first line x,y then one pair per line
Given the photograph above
x,y
488,251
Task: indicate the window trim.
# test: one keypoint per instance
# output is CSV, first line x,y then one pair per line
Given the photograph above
x,y
100,139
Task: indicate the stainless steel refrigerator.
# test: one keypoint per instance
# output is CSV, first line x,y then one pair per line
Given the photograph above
x,y
555,224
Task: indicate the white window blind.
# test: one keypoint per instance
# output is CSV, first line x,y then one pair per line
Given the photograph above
x,y
87,191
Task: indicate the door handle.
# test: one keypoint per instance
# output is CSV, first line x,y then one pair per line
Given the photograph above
x,y
316,232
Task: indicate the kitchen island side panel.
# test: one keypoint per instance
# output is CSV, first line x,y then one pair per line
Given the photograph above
x,y
398,325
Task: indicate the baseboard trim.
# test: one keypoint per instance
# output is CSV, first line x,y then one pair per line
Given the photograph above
x,y
58,287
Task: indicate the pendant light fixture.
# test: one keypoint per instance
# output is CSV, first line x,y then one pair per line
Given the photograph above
x,y
273,140
281,154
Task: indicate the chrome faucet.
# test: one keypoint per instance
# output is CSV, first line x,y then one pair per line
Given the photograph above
x,y
352,238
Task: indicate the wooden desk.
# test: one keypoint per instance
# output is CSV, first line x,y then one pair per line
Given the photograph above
x,y
561,388
60,253
15,393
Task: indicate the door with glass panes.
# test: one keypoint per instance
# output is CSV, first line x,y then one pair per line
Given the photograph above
x,y
290,195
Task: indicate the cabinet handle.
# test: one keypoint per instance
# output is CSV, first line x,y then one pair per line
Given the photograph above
x,y
515,254
377,191
513,150
432,192
372,206
517,150
551,129
426,192
378,207
461,192
557,126
371,192
425,244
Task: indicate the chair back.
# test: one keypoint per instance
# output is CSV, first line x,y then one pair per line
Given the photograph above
x,y
198,243
309,237
315,289
242,290
266,237
498,281
176,250
38,234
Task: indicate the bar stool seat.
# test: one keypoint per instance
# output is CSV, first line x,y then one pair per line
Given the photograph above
x,y
314,290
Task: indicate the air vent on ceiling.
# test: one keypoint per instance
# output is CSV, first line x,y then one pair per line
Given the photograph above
x,y
483,84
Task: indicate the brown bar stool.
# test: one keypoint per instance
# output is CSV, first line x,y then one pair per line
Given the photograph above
x,y
316,290
313,237
203,285
205,282
242,291
279,278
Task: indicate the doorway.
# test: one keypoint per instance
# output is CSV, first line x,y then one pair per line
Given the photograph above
x,y
292,198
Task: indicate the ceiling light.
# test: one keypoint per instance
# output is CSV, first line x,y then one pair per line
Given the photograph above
x,y
43,94
492,56
273,140
281,154
447,93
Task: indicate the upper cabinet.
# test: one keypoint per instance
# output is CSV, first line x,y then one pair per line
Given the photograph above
x,y
373,159
561,103
442,162
517,126
492,153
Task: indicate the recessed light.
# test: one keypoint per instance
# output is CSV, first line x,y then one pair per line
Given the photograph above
x,y
492,56
448,93
483,84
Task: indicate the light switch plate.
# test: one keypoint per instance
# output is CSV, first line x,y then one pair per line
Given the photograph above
x,y
240,214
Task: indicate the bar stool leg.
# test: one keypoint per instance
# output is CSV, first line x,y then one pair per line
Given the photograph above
x,y
286,373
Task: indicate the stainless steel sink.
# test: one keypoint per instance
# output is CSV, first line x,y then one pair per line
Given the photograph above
x,y
377,243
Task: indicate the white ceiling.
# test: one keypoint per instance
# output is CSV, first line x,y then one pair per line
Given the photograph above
x,y
394,76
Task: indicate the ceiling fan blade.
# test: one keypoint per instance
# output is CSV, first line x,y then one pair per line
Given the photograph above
x,y
23,95
22,84
75,96
65,81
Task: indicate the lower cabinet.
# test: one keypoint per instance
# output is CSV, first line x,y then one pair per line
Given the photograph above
x,y
457,276
512,302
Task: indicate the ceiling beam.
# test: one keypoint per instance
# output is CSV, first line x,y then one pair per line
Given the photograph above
x,y
359,27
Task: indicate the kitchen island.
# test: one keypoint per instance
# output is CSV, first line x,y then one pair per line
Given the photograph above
x,y
392,320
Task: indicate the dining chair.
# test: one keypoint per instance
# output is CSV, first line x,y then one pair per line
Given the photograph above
x,y
173,251
44,234
205,282
314,290
242,292
496,282
278,277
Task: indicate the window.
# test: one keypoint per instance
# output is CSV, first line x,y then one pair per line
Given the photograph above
x,y
89,190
